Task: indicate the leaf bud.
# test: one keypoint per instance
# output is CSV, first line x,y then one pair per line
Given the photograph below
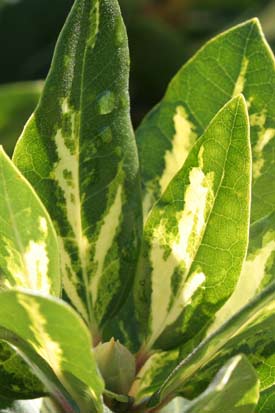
x,y
117,366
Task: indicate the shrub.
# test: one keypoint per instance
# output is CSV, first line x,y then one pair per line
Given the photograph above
x,y
169,306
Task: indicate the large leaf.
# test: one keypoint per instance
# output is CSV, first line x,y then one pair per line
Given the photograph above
x,y
235,389
196,236
78,150
17,102
56,343
259,312
28,242
237,61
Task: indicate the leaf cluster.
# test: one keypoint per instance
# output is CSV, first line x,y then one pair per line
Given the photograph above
x,y
163,240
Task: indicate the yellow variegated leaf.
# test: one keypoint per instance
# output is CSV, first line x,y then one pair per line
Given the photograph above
x,y
57,344
29,249
196,236
237,61
78,151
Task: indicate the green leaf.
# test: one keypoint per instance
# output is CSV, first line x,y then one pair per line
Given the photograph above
x,y
195,238
237,61
54,340
267,401
16,379
28,242
259,310
17,101
257,341
29,258
78,151
235,389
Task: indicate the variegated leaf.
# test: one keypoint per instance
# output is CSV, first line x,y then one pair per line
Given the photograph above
x,y
78,151
54,340
235,389
29,249
196,236
237,61
153,373
258,313
257,341
29,258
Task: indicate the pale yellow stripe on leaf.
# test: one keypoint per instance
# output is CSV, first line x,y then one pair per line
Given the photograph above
x,y
191,224
30,267
253,273
70,281
162,270
192,285
44,345
265,135
148,202
192,218
183,140
36,262
240,83
105,240
66,174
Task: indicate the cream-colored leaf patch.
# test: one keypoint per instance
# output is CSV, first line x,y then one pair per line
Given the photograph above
x,y
105,240
240,83
252,275
70,281
30,268
183,140
198,198
265,135
66,173
47,348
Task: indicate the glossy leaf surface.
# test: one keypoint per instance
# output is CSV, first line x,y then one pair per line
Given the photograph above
x,y
251,318
79,152
29,258
56,343
28,242
237,61
235,389
195,238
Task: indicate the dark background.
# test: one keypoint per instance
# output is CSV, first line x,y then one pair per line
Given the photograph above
x,y
163,34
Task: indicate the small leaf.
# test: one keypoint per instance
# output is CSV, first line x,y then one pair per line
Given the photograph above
x,y
116,365
29,250
195,238
57,345
260,309
237,61
78,151
235,389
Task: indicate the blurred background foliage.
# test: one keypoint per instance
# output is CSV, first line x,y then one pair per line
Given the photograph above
x,y
163,34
